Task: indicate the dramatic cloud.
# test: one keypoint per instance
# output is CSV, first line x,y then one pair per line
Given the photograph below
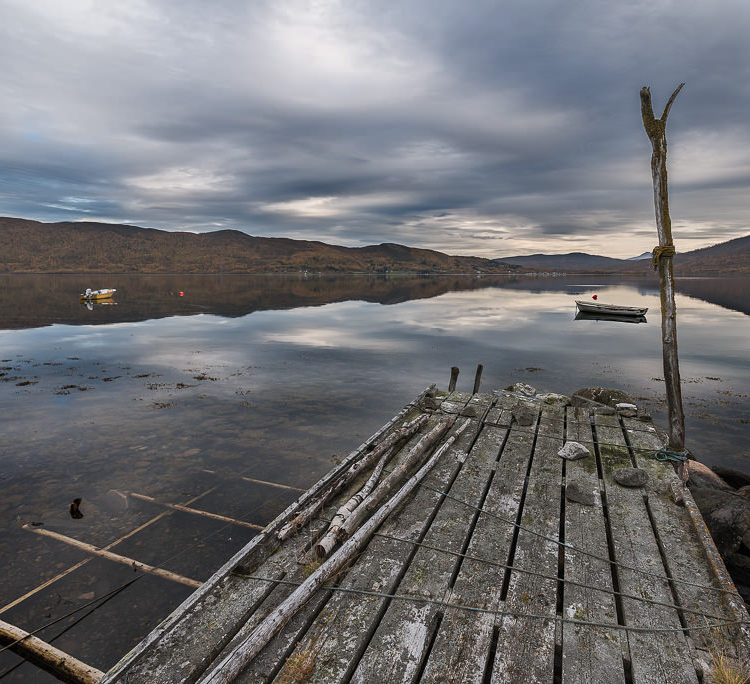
x,y
482,128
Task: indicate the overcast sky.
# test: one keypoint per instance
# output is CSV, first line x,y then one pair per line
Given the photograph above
x,y
472,127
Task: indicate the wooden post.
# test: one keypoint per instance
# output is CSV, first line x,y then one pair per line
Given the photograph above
x,y
195,511
477,378
56,662
662,260
75,567
116,557
454,378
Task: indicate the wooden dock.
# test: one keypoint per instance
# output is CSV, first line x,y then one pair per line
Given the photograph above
x,y
504,563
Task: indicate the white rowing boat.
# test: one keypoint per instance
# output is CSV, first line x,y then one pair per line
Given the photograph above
x,y
610,309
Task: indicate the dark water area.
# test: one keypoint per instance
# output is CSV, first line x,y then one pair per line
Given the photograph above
x,y
177,396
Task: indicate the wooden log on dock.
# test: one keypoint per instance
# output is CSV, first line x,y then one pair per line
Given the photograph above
x,y
58,663
373,499
312,508
329,540
116,557
397,477
236,660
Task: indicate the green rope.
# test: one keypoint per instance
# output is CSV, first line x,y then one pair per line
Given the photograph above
x,y
660,251
665,454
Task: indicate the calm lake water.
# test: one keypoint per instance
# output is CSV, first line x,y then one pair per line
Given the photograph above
x,y
186,383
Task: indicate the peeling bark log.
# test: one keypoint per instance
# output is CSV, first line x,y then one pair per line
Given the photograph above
x,y
326,544
228,669
311,510
394,479
656,131
58,663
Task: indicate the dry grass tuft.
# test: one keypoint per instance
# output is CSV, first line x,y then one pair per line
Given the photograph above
x,y
728,671
298,667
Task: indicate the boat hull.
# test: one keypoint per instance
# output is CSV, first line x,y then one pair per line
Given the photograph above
x,y
98,294
610,309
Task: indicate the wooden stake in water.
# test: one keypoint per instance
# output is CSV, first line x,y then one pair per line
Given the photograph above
x,y
662,260
454,379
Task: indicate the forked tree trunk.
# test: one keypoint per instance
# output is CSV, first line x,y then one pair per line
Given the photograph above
x,y
662,260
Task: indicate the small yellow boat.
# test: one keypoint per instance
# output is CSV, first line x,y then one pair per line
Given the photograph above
x,y
93,295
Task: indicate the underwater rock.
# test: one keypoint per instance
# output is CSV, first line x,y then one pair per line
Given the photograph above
x,y
727,515
75,511
734,478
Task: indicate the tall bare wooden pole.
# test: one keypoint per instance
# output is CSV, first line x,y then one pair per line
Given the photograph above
x,y
662,260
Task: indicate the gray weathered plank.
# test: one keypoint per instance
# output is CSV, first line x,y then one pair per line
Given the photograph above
x,y
395,652
589,654
183,653
253,553
335,643
684,554
528,650
463,642
663,658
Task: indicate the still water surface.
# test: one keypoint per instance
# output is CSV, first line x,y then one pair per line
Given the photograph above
x,y
176,395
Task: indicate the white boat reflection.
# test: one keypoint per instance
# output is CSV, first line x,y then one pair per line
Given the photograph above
x,y
584,316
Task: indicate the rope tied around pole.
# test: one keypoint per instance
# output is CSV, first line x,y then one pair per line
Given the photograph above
x,y
659,251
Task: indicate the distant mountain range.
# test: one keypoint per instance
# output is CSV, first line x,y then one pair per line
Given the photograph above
x,y
83,247
34,247
726,258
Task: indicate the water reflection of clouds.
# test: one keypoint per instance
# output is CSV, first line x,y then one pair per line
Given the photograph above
x,y
332,338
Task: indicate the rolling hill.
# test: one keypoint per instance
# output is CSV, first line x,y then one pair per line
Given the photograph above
x,y
726,258
33,247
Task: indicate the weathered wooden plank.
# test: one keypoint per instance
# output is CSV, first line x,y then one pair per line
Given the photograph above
x,y
528,645
589,654
184,652
266,663
663,658
267,660
463,642
454,402
397,647
499,415
683,552
335,643
174,628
